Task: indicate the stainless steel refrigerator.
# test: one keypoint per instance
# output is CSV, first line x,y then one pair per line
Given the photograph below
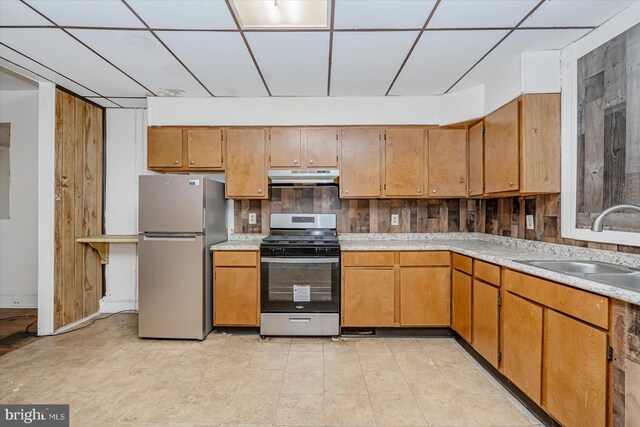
x,y
179,218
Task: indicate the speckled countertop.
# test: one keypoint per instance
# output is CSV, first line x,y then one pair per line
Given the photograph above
x,y
503,251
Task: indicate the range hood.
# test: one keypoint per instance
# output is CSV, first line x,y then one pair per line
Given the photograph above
x,y
303,176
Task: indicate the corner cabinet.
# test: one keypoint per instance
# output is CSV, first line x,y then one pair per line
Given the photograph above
x,y
522,146
246,171
191,149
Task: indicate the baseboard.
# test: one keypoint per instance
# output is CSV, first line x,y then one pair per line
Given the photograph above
x,y
26,301
108,305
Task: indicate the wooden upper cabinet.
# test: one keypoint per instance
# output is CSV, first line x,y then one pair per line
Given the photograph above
x,y
476,159
501,149
204,148
321,148
361,163
164,148
246,173
540,143
447,168
404,162
575,371
285,147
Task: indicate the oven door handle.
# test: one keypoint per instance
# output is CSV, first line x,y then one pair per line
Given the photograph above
x,y
300,260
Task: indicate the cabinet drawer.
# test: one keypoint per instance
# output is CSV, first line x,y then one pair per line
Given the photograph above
x,y
424,258
235,258
367,259
583,305
462,263
490,273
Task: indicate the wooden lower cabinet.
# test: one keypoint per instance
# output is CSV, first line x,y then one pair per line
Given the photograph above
x,y
486,321
236,288
425,296
522,345
461,295
575,371
368,297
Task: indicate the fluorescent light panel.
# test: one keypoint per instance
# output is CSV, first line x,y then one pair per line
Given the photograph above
x,y
282,13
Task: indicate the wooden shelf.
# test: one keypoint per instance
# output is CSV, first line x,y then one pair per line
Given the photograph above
x,y
101,243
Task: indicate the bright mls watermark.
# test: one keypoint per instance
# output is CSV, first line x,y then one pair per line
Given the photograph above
x,y
34,415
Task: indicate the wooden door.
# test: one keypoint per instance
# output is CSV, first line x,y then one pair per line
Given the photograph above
x,y
246,175
575,371
425,296
404,162
501,149
461,304
368,297
447,163
361,163
522,345
164,148
78,208
322,148
235,296
204,148
476,159
485,323
285,147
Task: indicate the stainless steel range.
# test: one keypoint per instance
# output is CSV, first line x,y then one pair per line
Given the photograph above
x,y
300,276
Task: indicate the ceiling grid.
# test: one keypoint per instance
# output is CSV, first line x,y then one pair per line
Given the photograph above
x,y
484,34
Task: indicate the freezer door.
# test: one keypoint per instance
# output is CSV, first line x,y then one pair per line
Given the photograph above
x,y
171,204
171,287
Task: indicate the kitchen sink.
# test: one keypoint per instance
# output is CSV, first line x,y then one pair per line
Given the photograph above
x,y
628,281
617,275
580,267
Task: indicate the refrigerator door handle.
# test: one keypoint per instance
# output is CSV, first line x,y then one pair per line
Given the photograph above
x,y
178,238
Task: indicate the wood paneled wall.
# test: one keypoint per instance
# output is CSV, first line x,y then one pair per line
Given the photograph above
x,y
503,217
78,208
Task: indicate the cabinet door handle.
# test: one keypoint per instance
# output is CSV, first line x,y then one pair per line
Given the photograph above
x,y
259,190
295,161
175,162
346,191
311,161
434,190
419,190
510,183
190,162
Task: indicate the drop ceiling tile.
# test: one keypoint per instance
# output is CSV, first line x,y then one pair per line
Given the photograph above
x,y
568,13
293,63
382,13
141,56
365,64
480,13
14,12
518,42
192,14
440,58
131,102
62,53
103,102
220,60
19,63
102,13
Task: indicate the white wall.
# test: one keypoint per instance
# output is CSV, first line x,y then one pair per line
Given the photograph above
x,y
126,160
19,234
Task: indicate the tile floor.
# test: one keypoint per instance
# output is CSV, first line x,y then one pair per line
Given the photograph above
x,y
112,378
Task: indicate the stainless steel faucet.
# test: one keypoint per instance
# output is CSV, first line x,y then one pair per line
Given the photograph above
x,y
598,223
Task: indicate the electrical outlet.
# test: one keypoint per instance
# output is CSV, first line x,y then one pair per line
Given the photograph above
x,y
17,302
252,218
395,219
530,224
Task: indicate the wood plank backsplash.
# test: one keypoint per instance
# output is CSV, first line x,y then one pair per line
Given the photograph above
x,y
504,217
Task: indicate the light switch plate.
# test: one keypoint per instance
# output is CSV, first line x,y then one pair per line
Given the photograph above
x,y
395,219
530,225
252,218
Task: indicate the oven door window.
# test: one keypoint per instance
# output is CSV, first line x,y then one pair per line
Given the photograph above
x,y
300,284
